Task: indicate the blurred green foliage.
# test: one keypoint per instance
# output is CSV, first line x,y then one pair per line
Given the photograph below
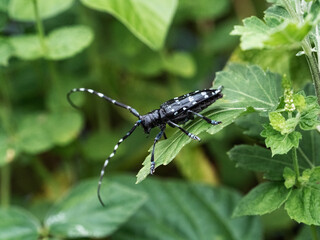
x,y
141,53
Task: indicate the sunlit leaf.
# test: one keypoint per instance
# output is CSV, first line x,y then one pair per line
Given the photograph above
x,y
23,10
148,20
18,224
5,52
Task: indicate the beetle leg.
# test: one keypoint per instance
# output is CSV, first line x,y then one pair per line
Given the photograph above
x,y
208,120
157,138
190,135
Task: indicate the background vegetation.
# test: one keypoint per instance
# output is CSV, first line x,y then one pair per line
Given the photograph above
x,y
143,53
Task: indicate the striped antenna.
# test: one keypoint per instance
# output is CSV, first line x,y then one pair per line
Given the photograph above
x,y
101,95
111,155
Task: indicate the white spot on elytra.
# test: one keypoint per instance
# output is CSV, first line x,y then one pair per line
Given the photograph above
x,y
195,102
184,108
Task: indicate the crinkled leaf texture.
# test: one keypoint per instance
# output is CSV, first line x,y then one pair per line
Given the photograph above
x,y
61,43
177,210
276,30
18,224
79,214
244,87
23,10
147,20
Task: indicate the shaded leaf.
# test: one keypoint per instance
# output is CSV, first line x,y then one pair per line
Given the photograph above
x,y
18,224
264,198
175,206
79,214
26,47
147,20
5,52
180,63
23,10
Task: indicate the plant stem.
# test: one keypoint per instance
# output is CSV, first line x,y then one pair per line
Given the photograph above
x,y
314,232
40,28
295,162
5,185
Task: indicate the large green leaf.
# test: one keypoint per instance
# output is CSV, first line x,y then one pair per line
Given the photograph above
x,y
178,210
18,224
244,87
23,10
148,20
259,159
264,198
79,214
167,150
61,43
249,86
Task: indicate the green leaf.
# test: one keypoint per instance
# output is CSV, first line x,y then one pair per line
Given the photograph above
x,y
79,214
309,115
303,204
4,5
180,63
32,135
252,124
249,86
256,34
61,43
147,20
277,121
18,224
23,10
259,159
166,150
278,143
308,151
265,198
290,177
63,127
5,52
181,210
26,47
66,42
201,9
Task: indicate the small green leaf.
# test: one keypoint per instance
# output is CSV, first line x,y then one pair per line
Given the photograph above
x,y
147,20
79,214
309,115
180,63
63,127
18,224
277,121
259,159
5,52
256,34
265,198
26,47
290,177
66,42
278,143
188,211
299,102
32,135
303,204
23,10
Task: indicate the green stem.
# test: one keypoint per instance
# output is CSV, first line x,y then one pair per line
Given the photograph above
x,y
295,162
40,28
5,186
314,232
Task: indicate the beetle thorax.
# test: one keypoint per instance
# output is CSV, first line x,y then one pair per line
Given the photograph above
x,y
150,120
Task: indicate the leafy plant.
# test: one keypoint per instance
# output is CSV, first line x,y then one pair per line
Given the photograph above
x,y
143,53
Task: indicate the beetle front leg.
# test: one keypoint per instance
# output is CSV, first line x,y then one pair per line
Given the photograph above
x,y
157,138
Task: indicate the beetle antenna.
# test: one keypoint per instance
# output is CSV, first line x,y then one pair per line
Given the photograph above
x,y
101,95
